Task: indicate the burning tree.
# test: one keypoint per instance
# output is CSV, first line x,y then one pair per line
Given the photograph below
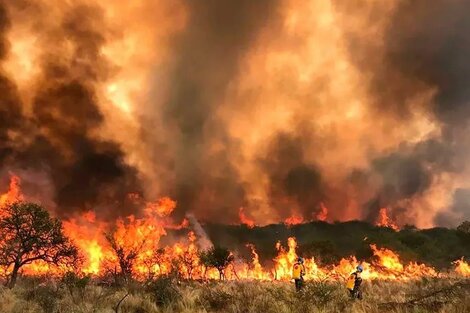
x,y
29,234
217,257
154,262
133,240
189,259
126,256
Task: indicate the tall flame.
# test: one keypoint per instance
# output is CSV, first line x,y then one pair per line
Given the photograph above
x,y
384,221
14,193
244,219
141,235
462,268
323,214
293,220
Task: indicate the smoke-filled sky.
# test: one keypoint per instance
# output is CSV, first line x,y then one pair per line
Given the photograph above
x,y
276,106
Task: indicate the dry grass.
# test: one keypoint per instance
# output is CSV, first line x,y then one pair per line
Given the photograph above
x,y
35,295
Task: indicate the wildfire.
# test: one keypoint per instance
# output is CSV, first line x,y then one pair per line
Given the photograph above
x,y
462,268
244,219
384,221
14,193
388,259
163,207
87,233
285,259
256,270
293,220
138,238
323,214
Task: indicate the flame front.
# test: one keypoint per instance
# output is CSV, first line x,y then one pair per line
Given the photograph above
x,y
462,267
293,220
14,193
142,236
244,219
384,221
323,214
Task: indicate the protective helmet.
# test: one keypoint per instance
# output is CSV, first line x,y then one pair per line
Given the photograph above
x,y
300,260
359,268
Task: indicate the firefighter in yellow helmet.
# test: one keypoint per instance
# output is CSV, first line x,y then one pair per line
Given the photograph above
x,y
298,272
354,282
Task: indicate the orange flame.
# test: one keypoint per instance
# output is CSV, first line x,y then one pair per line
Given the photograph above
x,y
384,221
256,270
285,259
142,235
14,193
293,220
387,258
163,207
244,219
462,268
323,214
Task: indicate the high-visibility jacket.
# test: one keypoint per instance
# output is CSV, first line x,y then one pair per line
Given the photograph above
x,y
354,281
298,271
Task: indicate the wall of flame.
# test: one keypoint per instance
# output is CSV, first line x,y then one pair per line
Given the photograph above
x,y
141,235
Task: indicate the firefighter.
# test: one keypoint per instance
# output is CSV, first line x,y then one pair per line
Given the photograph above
x,y
298,272
354,282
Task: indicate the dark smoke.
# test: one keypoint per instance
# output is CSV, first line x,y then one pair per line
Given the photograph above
x,y
10,108
426,46
294,183
87,172
401,176
429,43
460,209
206,56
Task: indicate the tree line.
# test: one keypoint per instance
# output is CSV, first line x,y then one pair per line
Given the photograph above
x,y
28,233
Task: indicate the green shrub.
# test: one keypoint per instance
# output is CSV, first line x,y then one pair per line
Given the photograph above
x,y
164,291
45,295
72,280
137,304
75,285
318,293
215,298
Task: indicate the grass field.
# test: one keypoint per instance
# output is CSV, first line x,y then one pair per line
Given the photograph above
x,y
167,295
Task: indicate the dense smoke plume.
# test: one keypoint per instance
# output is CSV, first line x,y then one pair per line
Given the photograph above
x,y
55,131
281,107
